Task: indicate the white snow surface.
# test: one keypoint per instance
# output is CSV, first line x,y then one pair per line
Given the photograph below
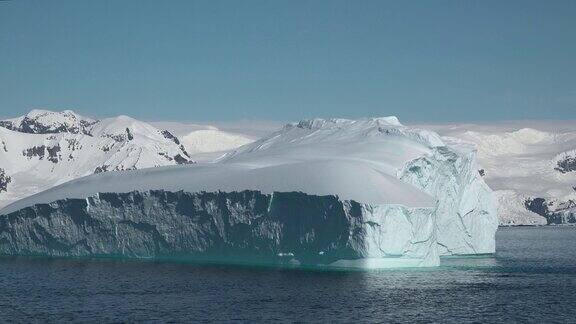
x,y
204,141
212,140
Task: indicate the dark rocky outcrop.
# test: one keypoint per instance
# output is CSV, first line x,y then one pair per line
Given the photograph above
x,y
50,152
106,168
565,214
102,168
73,144
129,134
4,180
179,159
182,160
568,164
169,136
53,155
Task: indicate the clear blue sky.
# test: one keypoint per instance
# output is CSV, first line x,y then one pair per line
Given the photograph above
x,y
287,60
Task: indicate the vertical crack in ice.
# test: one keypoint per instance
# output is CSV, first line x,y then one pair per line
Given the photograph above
x,y
270,202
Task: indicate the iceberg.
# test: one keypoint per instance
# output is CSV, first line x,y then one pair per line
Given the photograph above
x,y
368,193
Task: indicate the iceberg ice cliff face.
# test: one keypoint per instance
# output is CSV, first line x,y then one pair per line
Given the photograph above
x,y
337,192
466,214
240,227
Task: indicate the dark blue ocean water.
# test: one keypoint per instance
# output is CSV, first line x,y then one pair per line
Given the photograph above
x,y
532,278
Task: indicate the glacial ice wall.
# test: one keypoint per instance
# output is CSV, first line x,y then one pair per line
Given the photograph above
x,y
466,212
236,227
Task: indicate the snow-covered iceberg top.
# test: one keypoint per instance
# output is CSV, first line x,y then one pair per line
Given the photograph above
x,y
353,159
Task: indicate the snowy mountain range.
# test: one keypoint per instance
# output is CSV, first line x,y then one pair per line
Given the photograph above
x,y
46,148
332,192
530,165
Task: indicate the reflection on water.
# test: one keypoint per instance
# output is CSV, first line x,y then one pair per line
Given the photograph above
x,y
481,261
531,278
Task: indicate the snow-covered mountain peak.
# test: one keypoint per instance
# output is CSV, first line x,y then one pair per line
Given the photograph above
x,y
119,124
44,148
40,113
39,121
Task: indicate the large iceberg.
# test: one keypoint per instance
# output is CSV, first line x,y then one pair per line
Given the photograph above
x,y
341,193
